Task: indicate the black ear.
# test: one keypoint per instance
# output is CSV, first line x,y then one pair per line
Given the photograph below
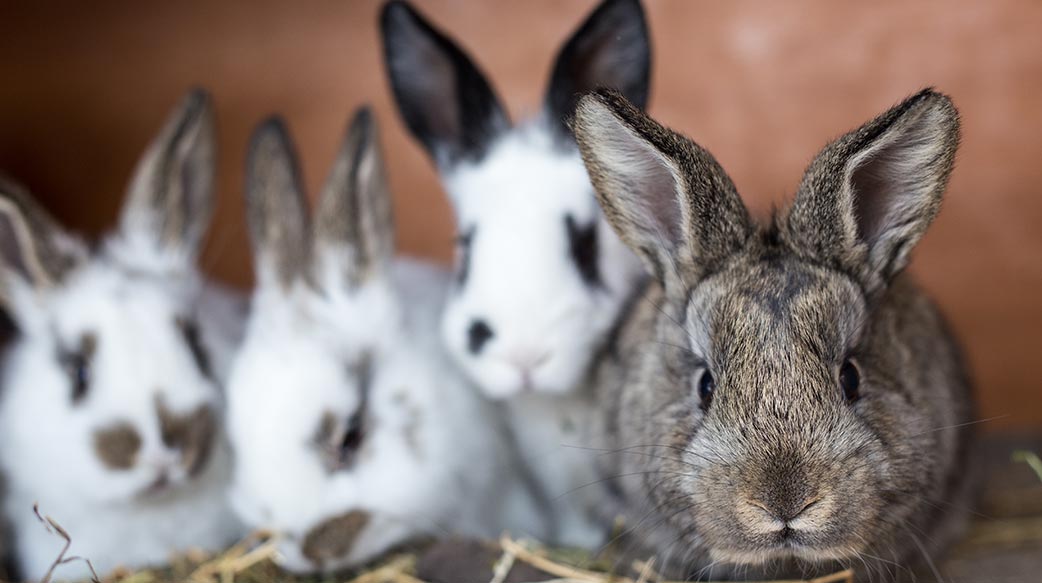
x,y
666,196
443,97
354,226
869,197
277,208
170,199
33,247
611,49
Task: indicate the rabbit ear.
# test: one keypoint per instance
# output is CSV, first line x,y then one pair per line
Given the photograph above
x,y
33,247
170,199
354,218
443,97
868,197
611,49
666,196
277,208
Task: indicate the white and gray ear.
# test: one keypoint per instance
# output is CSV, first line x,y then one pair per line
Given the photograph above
x,y
276,207
867,198
34,250
442,96
354,223
666,196
170,199
611,49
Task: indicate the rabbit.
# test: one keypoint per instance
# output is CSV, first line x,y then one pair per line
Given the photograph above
x,y
539,274
784,400
352,430
110,395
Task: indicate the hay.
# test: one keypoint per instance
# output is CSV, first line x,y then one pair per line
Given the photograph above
x,y
252,559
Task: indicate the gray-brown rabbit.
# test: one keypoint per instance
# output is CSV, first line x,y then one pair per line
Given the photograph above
x,y
784,400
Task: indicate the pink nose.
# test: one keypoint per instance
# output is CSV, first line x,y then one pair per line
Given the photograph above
x,y
528,360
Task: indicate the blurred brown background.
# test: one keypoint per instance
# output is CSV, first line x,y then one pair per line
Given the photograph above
x,y
84,86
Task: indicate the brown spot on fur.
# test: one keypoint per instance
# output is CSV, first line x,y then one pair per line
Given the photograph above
x,y
191,434
117,446
334,538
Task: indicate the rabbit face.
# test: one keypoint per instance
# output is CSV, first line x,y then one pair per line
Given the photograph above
x,y
110,381
540,276
301,424
324,415
806,402
785,399
109,385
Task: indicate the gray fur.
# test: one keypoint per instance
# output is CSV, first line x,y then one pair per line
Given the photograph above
x,y
354,212
353,219
773,311
277,208
171,193
33,246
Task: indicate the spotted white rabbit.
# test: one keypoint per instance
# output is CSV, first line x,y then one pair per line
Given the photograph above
x,y
352,429
540,276
110,402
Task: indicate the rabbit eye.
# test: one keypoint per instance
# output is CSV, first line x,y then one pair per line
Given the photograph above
x,y
351,442
706,388
850,381
463,244
77,365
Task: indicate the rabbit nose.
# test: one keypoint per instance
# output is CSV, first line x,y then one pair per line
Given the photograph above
x,y
784,513
528,361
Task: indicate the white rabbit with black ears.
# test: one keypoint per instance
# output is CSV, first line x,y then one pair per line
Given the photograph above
x,y
540,276
110,404
353,431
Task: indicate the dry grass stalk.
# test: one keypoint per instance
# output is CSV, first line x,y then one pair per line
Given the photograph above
x,y
55,528
1031,459
398,570
569,574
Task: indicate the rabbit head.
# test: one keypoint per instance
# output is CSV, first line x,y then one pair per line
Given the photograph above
x,y
540,275
802,397
108,384
324,452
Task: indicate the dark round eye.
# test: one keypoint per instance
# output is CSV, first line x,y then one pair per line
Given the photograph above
x,y
850,381
706,387
78,368
352,440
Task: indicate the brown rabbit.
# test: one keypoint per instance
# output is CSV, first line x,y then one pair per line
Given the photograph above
x,y
783,400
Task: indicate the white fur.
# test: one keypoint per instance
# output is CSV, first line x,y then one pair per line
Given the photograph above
x,y
523,281
46,442
433,459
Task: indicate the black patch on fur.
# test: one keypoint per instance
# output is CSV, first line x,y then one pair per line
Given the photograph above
x,y
461,118
464,242
77,365
610,49
363,373
190,332
582,245
478,335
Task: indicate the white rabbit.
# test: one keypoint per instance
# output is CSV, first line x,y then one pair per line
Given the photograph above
x,y
110,404
541,276
352,429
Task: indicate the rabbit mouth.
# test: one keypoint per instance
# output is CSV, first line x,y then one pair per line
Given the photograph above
x,y
786,548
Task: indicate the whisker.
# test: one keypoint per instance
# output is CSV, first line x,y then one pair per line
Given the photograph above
x,y
968,423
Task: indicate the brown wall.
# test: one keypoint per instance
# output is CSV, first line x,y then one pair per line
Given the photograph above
x,y
83,86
